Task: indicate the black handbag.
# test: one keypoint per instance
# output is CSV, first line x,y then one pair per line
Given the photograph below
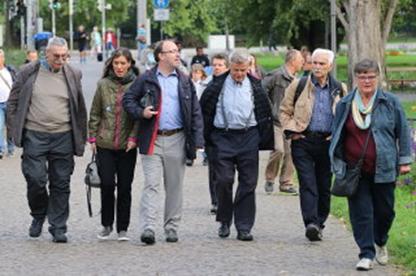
x,y
92,180
347,186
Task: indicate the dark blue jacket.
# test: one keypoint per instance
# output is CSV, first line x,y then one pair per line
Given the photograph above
x,y
148,84
390,133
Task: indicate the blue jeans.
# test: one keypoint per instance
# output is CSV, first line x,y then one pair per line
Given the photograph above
x,y
10,145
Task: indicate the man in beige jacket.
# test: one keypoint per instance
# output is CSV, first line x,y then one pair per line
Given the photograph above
x,y
306,116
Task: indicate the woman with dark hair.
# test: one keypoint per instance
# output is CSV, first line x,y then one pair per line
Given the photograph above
x,y
370,125
112,135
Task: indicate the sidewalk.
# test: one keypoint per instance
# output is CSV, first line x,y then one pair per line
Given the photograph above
x,y
279,246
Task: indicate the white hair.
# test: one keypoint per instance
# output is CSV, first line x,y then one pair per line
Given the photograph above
x,y
319,51
57,41
239,57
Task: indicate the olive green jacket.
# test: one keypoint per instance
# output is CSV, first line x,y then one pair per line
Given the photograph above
x,y
109,125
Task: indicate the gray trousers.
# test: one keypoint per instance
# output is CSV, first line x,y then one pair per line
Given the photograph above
x,y
168,160
48,156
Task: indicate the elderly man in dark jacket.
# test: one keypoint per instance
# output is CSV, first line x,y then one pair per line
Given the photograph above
x,y
48,119
164,101
237,124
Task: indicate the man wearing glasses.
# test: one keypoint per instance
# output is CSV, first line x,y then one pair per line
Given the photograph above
x,y
164,101
306,116
48,119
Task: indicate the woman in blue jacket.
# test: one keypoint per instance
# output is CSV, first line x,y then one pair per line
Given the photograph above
x,y
369,110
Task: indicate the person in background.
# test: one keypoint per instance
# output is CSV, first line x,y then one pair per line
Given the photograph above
x,y
110,41
113,136
7,78
198,77
200,57
255,70
96,42
369,110
280,160
141,39
82,38
31,55
307,65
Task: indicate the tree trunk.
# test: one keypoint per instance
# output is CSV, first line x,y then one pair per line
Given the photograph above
x,y
367,31
8,41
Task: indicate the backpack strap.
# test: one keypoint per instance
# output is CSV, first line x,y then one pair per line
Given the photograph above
x,y
299,88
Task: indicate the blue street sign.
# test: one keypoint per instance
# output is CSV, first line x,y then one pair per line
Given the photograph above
x,y
160,4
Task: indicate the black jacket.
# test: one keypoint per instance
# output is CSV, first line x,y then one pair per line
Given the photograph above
x,y
147,85
262,110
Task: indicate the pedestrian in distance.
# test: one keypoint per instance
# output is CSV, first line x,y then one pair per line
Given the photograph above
x,y
200,57
96,44
237,124
82,38
113,137
7,78
373,117
164,102
280,160
306,115
47,116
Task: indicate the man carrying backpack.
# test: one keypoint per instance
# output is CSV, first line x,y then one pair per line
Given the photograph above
x,y
306,114
280,160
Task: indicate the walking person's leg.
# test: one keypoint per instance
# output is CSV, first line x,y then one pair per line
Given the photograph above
x,y
2,128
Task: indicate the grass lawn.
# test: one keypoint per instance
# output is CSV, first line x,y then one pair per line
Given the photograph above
x,y
15,57
402,241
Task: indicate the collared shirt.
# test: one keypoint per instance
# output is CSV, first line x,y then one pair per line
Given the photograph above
x,y
5,84
322,108
237,102
170,116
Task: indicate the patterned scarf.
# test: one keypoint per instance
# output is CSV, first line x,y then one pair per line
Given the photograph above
x,y
358,108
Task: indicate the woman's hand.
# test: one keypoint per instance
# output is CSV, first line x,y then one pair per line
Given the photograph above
x,y
148,112
404,169
93,148
130,145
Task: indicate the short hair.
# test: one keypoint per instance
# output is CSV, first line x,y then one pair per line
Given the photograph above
x,y
239,57
57,41
222,57
31,51
367,65
159,48
199,48
328,53
291,55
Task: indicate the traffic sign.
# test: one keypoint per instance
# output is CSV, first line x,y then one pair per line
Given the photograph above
x,y
161,14
161,4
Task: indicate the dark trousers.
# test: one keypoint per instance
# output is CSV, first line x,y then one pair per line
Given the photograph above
x,y
371,211
236,150
311,159
116,168
48,156
211,175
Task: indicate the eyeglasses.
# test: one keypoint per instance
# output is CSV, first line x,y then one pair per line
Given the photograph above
x,y
63,57
366,78
170,52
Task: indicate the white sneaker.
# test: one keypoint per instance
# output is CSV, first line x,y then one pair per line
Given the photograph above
x,y
105,233
122,236
364,264
382,256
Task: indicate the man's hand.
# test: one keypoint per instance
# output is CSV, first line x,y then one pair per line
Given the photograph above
x,y
148,112
404,169
130,145
297,136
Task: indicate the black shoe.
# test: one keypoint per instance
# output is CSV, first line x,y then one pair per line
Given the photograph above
x,y
224,230
35,229
148,236
244,236
268,187
288,190
171,235
214,209
313,232
59,237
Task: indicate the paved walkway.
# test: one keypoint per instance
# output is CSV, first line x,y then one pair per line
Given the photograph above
x,y
279,246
